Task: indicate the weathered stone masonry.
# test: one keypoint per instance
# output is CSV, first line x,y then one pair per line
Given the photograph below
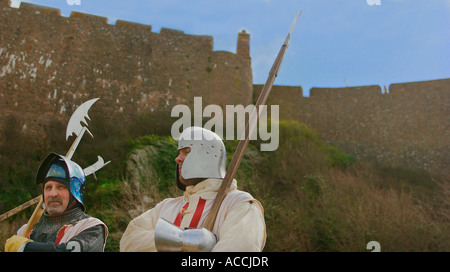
x,y
407,127
49,64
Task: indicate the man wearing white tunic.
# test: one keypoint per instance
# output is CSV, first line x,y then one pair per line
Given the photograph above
x,y
200,164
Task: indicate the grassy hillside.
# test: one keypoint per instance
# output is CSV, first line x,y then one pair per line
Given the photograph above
x,y
316,197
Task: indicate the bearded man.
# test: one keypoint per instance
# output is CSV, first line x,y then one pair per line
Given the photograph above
x,y
64,226
200,169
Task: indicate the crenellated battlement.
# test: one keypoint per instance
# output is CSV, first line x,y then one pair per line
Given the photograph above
x,y
49,64
407,127
95,21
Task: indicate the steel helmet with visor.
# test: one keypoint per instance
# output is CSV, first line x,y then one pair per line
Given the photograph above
x,y
60,169
207,158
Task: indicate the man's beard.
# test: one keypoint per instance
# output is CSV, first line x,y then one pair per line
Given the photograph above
x,y
55,208
188,182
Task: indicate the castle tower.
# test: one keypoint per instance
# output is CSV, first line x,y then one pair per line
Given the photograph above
x,y
243,44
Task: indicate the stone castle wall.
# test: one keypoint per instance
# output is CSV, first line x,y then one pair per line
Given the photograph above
x,y
407,127
50,64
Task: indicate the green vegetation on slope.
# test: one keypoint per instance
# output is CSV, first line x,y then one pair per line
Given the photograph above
x,y
316,197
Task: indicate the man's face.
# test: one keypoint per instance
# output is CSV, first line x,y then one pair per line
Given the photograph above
x,y
56,197
182,154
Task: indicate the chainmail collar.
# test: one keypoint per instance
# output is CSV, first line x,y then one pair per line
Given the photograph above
x,y
49,225
67,217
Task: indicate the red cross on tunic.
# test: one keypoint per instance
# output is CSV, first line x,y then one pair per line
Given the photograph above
x,y
197,214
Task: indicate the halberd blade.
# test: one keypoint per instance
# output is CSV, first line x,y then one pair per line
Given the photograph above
x,y
95,167
80,115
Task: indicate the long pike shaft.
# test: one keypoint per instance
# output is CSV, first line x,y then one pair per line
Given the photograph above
x,y
250,126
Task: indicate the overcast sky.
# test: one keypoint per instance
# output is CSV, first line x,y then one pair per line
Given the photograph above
x,y
358,42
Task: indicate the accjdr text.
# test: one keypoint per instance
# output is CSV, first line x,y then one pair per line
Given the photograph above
x,y
247,262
